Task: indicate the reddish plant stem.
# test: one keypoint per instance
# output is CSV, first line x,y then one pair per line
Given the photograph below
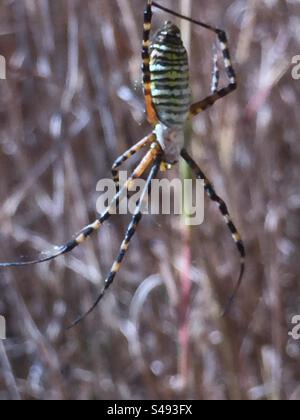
x,y
185,288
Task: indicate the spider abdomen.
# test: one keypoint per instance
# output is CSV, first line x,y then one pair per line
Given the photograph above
x,y
169,69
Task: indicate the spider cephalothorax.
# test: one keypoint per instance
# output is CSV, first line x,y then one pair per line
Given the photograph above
x,y
171,141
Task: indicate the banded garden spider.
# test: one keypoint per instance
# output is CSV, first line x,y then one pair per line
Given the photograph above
x,y
168,106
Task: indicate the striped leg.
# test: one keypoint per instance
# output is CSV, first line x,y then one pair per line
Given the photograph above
x,y
221,93
125,244
93,227
209,189
151,114
128,154
215,73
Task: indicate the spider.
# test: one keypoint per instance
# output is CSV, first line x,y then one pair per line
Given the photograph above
x,y
168,106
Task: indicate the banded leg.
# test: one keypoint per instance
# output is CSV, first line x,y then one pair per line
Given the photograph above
x,y
128,154
151,114
125,244
221,93
215,73
209,189
86,232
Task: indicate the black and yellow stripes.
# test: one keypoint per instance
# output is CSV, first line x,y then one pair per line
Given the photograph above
x,y
86,232
209,101
151,114
168,105
221,93
209,189
128,154
222,39
125,244
68,247
169,69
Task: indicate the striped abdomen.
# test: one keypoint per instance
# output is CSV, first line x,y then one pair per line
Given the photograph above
x,y
169,71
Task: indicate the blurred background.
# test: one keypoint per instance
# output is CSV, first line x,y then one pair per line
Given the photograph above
x,y
71,103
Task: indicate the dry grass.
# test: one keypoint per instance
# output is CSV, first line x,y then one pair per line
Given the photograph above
x,y
71,103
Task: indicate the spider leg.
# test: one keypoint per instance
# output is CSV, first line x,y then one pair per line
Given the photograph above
x,y
96,225
209,189
128,154
125,244
218,93
151,114
215,73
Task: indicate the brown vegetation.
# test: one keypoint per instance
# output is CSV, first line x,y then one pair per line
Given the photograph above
x,y
71,103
